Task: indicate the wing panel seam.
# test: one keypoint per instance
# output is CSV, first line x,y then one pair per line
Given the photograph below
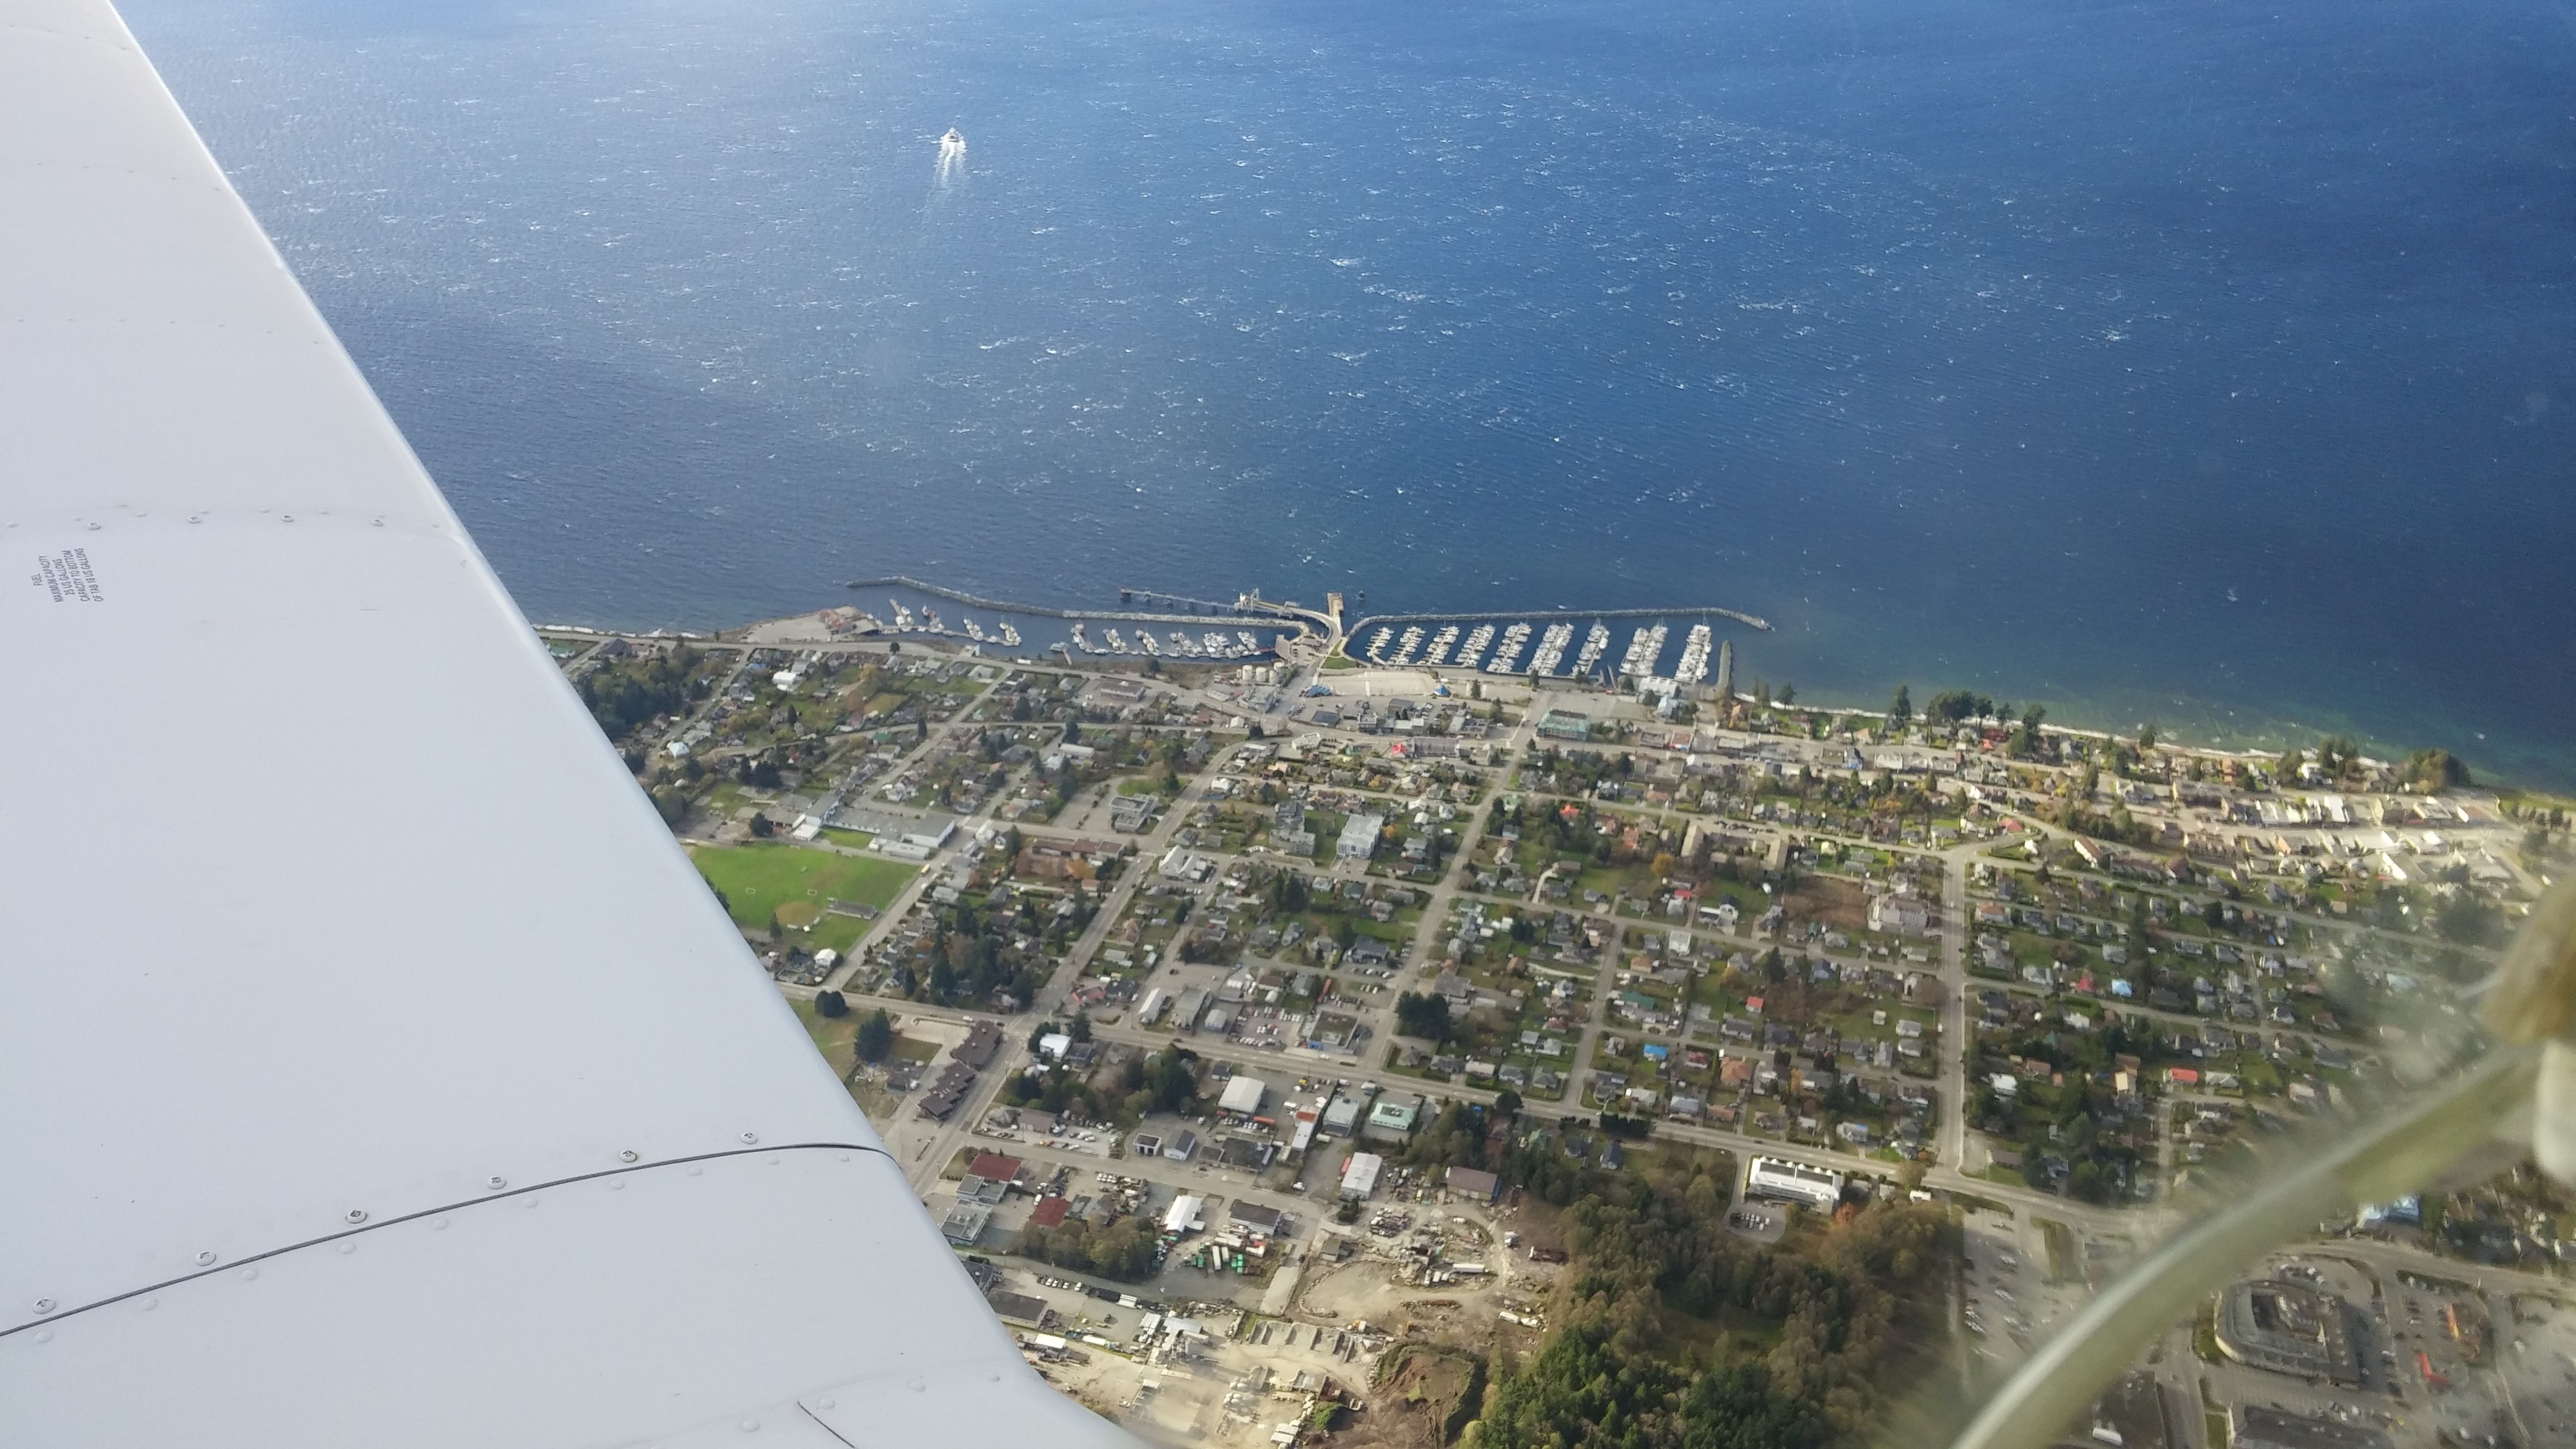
x,y
460,1205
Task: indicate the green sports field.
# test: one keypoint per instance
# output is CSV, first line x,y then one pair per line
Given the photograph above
x,y
799,884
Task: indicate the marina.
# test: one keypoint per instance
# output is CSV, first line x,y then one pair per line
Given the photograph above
x,y
1694,665
1476,643
1593,643
1644,648
912,608
1152,625
1551,648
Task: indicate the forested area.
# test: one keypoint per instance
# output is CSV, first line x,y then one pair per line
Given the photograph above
x,y
1128,1250
624,695
1673,1332
973,951
1166,1081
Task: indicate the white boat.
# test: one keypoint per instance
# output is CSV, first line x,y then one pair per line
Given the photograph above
x,y
1010,636
1694,665
1593,644
1551,648
1117,641
953,141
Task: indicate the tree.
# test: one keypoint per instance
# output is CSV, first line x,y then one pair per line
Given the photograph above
x,y
2432,770
1900,710
831,1003
1172,1076
2147,735
1507,1104
1081,1028
876,1036
2465,919
762,827
1422,1014
1788,694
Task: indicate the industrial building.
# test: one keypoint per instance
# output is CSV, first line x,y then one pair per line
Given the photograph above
x,y
1474,1183
1359,1175
2288,1328
1778,1177
2251,1426
1243,1095
1390,1120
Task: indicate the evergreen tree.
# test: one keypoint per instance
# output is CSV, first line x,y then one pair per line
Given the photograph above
x,y
876,1036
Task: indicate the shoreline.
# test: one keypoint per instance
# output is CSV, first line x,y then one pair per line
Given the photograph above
x,y
2183,734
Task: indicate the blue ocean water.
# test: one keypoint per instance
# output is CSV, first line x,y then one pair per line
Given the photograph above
x,y
2204,362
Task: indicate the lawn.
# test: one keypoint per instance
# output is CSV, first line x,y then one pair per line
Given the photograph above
x,y
797,884
835,1037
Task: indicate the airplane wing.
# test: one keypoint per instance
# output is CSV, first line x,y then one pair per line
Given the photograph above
x,y
374,1068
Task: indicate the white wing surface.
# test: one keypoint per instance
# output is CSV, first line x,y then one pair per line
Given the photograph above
x,y
374,1069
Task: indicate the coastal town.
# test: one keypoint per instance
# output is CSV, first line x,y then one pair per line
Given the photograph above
x,y
1251,1017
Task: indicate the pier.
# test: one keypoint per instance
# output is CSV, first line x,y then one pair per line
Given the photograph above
x,y
1753,621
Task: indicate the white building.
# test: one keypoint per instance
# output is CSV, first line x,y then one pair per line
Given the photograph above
x,y
1359,1175
1243,1094
1898,914
1359,837
1778,1177
1184,1214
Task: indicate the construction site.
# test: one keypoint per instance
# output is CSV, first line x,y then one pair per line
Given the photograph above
x,y
1374,1333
